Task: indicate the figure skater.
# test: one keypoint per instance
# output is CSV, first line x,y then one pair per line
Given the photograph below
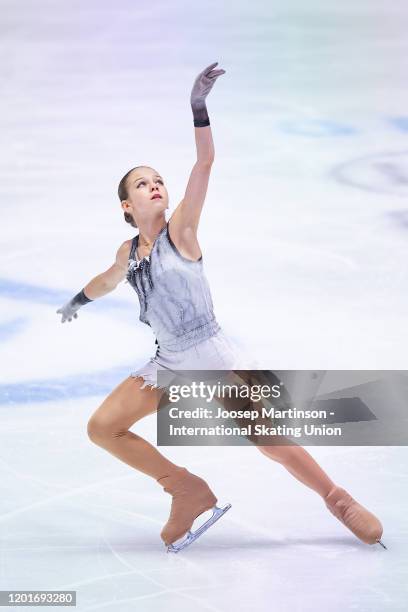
x,y
163,263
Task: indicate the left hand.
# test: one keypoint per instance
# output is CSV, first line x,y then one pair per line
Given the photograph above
x,y
203,84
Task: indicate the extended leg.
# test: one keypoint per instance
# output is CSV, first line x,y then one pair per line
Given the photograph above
x,y
353,515
301,465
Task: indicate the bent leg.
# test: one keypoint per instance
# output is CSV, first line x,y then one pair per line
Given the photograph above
x,y
109,425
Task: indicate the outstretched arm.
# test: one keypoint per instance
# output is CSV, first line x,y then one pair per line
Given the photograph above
x,y
186,216
100,285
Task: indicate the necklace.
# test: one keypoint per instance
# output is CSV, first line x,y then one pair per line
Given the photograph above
x,y
145,256
151,244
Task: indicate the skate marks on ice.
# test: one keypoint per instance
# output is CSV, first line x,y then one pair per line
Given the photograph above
x,y
131,581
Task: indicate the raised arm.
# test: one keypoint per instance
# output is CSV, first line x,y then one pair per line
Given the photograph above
x,y
186,217
100,285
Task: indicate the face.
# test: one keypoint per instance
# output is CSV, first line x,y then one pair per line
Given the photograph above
x,y
142,185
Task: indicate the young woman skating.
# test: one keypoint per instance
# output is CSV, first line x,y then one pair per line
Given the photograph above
x,y
163,263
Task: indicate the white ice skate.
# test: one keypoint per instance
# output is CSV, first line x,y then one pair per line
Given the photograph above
x,y
193,535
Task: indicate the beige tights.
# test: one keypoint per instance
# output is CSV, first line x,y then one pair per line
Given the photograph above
x,y
109,427
128,403
301,465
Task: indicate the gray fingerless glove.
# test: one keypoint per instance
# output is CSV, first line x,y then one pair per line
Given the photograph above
x,y
201,88
69,309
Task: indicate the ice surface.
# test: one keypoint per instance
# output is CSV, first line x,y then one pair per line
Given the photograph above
x,y
304,240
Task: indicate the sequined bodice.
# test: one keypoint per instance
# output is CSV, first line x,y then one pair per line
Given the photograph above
x,y
174,295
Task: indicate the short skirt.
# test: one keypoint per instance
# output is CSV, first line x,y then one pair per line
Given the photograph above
x,y
219,352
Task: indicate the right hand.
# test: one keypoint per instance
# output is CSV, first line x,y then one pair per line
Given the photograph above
x,y
69,311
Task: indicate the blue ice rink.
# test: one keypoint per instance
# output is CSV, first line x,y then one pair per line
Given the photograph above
x,y
304,236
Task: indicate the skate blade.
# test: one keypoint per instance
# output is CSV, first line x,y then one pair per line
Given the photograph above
x,y
382,544
193,535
